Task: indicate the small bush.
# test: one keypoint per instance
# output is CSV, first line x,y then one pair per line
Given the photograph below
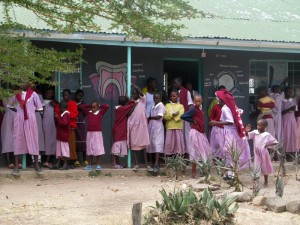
x,y
184,207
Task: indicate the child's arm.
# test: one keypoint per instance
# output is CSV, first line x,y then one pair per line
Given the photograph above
x,y
168,115
178,114
140,93
84,108
63,120
73,109
104,108
247,129
188,116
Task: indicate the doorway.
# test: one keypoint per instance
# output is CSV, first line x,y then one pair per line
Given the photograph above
x,y
187,69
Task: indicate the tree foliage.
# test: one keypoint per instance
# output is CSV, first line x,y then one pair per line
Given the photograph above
x,y
158,20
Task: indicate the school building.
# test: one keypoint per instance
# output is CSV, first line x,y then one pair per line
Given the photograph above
x,y
240,47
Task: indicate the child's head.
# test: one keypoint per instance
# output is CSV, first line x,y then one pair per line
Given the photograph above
x,y
174,96
221,87
262,92
289,93
189,86
261,125
177,83
135,94
276,89
63,105
123,100
79,95
49,94
94,106
157,98
151,83
66,95
197,100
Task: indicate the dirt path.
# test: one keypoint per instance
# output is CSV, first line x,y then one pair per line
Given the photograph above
x,y
107,201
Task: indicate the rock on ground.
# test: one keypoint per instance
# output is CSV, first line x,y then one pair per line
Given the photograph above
x,y
276,204
293,207
259,200
241,196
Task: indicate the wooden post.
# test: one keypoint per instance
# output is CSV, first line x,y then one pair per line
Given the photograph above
x,y
137,214
129,94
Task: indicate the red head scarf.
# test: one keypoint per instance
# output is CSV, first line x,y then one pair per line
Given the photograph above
x,y
228,99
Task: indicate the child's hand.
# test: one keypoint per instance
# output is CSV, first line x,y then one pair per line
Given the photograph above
x,y
248,128
175,114
212,123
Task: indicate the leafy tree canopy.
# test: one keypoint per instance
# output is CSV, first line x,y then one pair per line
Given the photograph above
x,y
158,20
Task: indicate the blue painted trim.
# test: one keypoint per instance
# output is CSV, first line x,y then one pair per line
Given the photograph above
x,y
129,93
58,86
174,45
181,59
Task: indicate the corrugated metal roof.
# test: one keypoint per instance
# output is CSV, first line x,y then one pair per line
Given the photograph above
x,y
260,20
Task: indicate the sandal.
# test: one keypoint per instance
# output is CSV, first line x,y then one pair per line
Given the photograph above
x,y
11,166
85,163
77,164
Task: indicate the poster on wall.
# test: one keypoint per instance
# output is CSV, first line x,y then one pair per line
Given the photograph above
x,y
110,80
229,76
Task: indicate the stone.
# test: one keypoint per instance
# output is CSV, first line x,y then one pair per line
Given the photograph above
x,y
241,196
276,204
293,207
259,200
201,187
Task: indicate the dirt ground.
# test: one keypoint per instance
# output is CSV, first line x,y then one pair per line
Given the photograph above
x,y
108,200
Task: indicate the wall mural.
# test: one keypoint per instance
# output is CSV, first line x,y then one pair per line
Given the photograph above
x,y
110,81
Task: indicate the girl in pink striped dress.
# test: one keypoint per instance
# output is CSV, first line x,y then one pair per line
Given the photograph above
x,y
49,127
289,125
7,133
156,130
25,134
94,138
262,140
137,135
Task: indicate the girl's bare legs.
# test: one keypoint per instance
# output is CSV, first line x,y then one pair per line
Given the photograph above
x,y
90,160
114,160
135,160
156,159
98,160
194,168
266,180
145,157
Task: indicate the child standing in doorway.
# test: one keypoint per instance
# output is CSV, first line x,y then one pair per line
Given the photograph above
x,y
138,136
199,146
80,129
262,141
63,122
174,143
94,138
156,129
49,126
122,112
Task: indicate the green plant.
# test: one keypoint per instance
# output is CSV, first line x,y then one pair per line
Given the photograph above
x,y
94,173
221,167
280,151
235,155
177,163
296,159
184,207
255,174
205,167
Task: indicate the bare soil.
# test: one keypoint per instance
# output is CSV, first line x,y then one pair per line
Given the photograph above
x,y
108,200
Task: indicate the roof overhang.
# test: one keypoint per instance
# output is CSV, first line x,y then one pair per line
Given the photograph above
x,y
188,43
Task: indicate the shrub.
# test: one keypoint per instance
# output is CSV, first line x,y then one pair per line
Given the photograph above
x,y
184,207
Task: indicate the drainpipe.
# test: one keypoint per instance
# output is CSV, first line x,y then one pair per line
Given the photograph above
x,y
129,92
